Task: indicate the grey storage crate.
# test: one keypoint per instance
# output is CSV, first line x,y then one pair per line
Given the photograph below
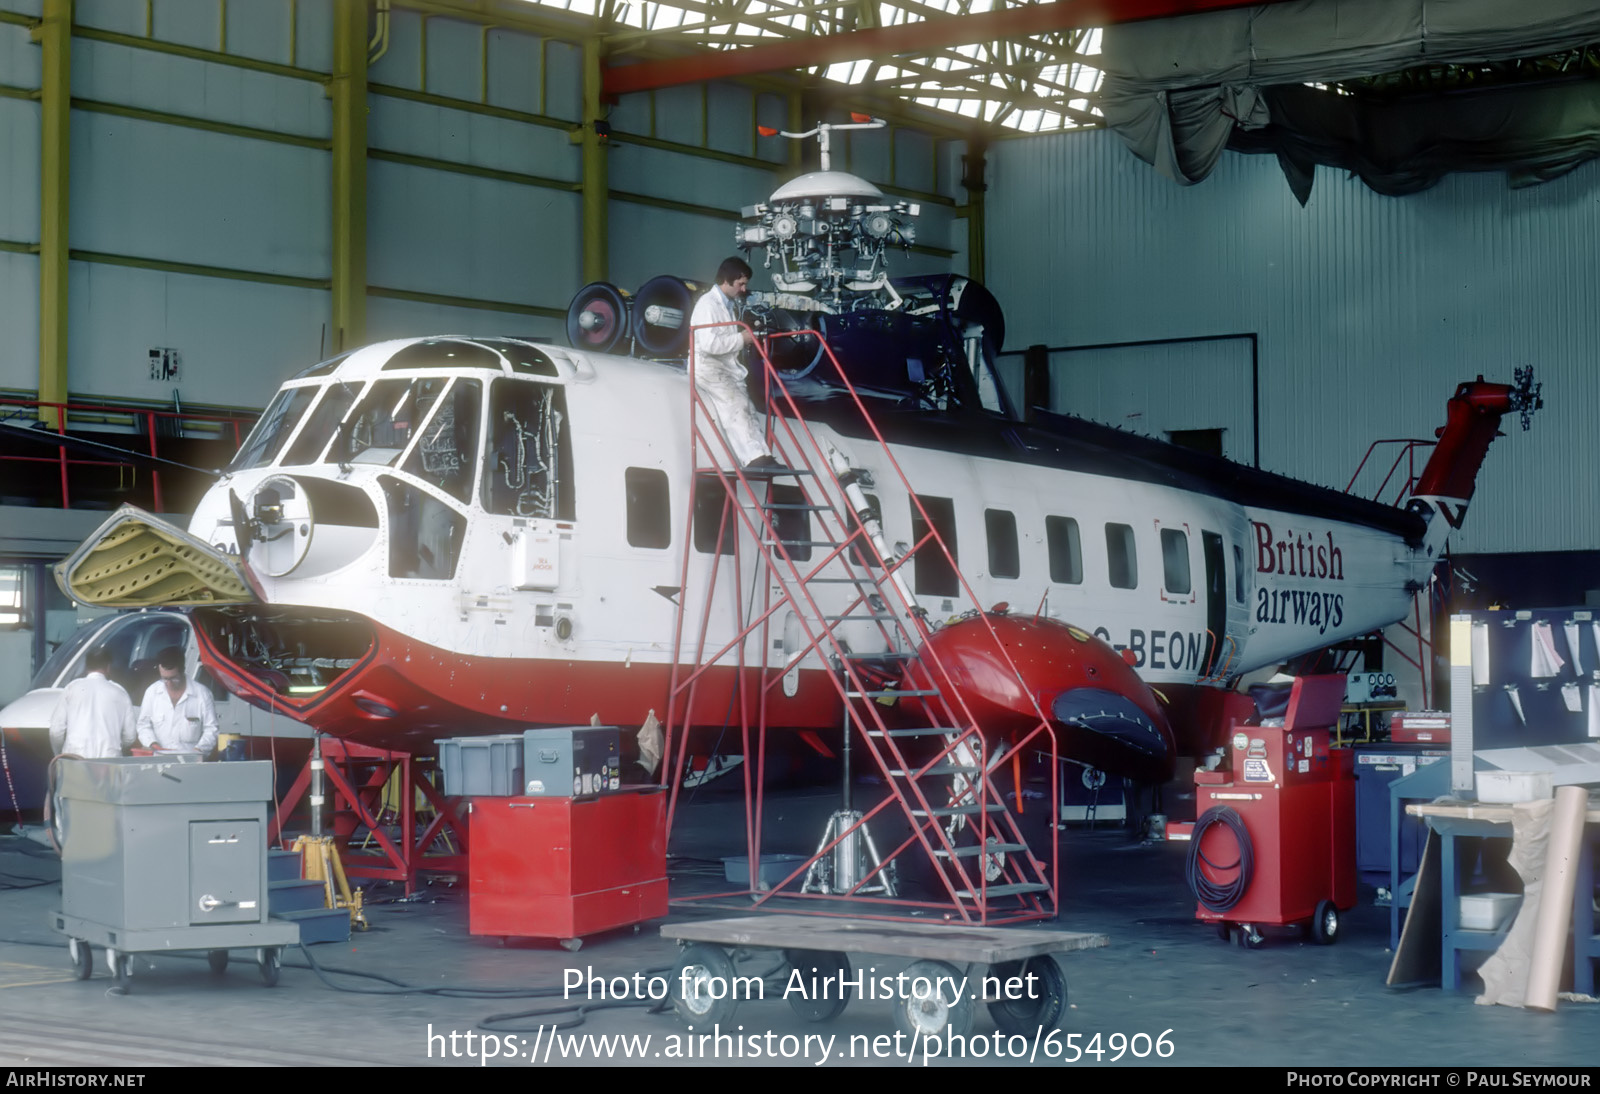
x,y
482,766
571,761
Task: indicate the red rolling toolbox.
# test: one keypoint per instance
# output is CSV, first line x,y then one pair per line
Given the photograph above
x,y
563,868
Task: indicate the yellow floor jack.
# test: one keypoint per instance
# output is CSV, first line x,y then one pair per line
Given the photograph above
x,y
319,861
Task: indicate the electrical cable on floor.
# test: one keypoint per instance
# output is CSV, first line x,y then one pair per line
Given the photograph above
x,y
1216,896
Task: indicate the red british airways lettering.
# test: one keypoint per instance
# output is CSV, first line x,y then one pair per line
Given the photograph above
x,y
1297,554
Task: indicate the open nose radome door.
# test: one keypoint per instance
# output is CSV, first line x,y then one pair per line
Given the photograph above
x,y
136,560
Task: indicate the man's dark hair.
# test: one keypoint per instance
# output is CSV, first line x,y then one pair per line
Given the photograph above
x,y
171,658
732,269
98,659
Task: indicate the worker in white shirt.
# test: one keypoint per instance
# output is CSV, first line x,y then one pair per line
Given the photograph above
x,y
93,718
718,373
177,715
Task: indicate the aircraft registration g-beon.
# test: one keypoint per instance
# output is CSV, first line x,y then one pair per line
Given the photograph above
x,y
448,535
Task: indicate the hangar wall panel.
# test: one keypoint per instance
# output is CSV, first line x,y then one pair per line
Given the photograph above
x,y
19,318
1369,309
477,140
20,63
19,171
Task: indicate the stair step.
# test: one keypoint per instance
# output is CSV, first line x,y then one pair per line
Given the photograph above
x,y
893,655
930,731
940,769
295,896
803,542
787,505
844,581
975,851
855,618
319,924
1007,890
959,810
888,694
283,865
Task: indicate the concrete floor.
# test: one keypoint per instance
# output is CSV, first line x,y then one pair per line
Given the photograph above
x,y
1290,1003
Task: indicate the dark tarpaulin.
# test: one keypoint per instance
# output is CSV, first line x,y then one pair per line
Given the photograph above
x,y
1400,146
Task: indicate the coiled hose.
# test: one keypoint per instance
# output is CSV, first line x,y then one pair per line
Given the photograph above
x,y
1212,895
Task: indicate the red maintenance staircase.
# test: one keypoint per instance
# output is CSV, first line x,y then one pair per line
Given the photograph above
x,y
940,771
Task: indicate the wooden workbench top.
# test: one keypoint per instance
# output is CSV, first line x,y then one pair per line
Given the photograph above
x,y
937,941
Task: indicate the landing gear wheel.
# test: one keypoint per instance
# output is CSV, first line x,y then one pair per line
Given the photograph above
x,y
1248,937
218,960
268,962
702,985
82,958
941,1007
827,970
121,965
1044,996
1325,924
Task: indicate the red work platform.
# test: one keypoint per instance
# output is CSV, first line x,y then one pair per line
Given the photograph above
x,y
563,868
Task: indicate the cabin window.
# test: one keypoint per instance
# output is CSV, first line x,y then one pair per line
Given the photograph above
x,y
1238,573
446,452
935,574
528,472
1175,561
1001,527
1121,563
274,429
709,497
1066,550
791,520
425,534
321,426
649,508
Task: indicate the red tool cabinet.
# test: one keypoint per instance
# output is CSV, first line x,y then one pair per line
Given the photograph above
x,y
562,868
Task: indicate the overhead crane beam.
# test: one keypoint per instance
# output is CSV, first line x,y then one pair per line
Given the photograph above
x,y
903,38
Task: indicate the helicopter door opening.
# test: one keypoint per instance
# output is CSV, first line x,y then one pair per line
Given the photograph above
x,y
1216,598
527,476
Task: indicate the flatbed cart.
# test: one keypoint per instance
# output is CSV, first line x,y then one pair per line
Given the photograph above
x,y
167,854
990,962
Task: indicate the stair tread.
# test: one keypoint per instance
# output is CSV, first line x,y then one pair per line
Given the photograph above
x,y
959,810
1005,890
886,694
974,851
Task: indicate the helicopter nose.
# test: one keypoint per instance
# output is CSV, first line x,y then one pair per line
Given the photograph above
x,y
1113,717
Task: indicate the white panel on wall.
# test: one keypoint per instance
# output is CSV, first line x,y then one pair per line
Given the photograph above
x,y
455,67
314,34
563,80
458,235
390,318
401,64
239,339
261,29
658,173
730,118
459,136
20,64
117,15
1370,309
680,114
515,71
19,171
155,191
188,22
104,72
19,318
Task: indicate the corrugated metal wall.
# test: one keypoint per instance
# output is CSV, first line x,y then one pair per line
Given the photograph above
x,y
1368,309
201,221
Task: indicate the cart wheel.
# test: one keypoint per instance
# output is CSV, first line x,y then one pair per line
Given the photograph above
x,y
268,962
1248,937
121,969
1325,924
82,958
218,960
1224,931
702,985
824,969
1044,997
941,1007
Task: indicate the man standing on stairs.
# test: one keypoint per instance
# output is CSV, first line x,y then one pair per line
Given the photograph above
x,y
718,373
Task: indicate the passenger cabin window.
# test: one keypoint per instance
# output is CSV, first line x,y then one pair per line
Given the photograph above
x,y
528,471
791,520
935,576
1004,558
709,510
649,508
1238,573
1175,561
321,426
1066,550
425,534
1121,563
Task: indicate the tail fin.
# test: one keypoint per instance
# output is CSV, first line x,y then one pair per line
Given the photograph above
x,y
1446,484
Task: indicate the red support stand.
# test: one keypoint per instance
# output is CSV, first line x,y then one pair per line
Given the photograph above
x,y
357,775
